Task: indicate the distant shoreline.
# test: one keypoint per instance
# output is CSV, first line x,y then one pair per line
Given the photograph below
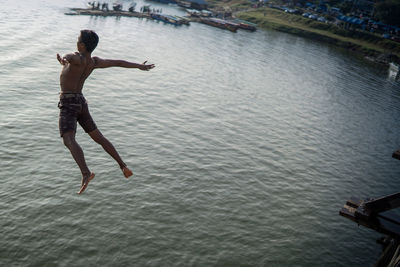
x,y
371,46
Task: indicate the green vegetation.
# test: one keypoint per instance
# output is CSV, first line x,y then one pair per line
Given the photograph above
x,y
234,5
367,43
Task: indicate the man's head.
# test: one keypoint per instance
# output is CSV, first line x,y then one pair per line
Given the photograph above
x,y
87,41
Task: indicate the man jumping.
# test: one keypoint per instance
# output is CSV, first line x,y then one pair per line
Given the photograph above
x,y
73,106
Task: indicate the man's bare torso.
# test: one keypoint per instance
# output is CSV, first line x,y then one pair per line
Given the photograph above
x,y
78,66
75,73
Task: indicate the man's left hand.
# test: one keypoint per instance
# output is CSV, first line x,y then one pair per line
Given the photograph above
x,y
146,67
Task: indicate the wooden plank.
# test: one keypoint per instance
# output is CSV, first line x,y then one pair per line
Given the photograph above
x,y
348,213
383,204
354,202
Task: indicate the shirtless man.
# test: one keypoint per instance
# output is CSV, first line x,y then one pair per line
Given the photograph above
x,y
73,106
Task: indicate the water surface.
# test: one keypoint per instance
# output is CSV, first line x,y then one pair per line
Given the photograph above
x,y
244,146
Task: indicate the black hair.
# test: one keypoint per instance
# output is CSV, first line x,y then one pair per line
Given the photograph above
x,y
90,39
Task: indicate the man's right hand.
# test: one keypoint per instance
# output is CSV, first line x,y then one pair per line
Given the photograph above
x,y
62,61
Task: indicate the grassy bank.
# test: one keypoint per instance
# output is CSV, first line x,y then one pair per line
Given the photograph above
x,y
367,43
234,5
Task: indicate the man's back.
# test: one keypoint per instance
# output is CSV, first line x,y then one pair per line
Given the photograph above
x,y
75,71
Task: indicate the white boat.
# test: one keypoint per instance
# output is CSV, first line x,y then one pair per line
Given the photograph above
x,y
394,67
394,70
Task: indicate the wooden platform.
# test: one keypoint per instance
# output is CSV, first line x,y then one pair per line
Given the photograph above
x,y
375,214
110,13
369,213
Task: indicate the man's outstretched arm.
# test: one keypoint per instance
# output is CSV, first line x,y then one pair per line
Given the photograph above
x,y
69,58
107,63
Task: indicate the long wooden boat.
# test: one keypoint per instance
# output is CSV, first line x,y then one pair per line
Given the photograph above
x,y
220,23
245,25
166,18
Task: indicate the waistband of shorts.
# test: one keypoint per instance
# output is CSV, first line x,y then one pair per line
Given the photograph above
x,y
70,95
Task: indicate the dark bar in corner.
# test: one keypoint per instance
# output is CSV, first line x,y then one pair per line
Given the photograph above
x,y
396,154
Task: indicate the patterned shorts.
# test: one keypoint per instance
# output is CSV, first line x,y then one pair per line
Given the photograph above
x,y
73,109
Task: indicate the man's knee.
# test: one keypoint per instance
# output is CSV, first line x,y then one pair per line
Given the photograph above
x,y
101,140
98,137
68,140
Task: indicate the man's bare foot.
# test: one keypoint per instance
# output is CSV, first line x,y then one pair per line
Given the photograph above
x,y
85,182
127,172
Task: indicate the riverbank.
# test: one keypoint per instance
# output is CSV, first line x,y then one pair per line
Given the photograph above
x,y
370,45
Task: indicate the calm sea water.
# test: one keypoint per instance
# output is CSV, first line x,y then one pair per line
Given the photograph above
x,y
244,146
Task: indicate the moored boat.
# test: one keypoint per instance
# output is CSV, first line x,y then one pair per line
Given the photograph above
x,y
165,18
182,20
246,25
394,67
394,70
220,23
199,13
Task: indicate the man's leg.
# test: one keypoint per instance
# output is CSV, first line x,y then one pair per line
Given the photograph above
x,y
98,137
77,154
